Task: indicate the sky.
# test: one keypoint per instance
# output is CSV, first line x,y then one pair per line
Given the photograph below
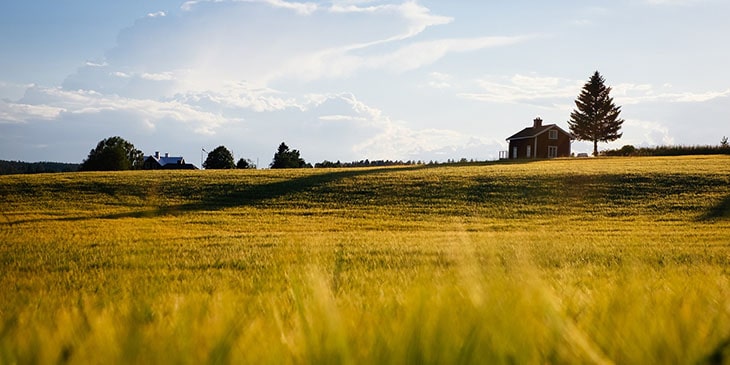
x,y
351,79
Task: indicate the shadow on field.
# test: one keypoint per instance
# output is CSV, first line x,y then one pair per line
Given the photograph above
x,y
230,195
721,210
218,196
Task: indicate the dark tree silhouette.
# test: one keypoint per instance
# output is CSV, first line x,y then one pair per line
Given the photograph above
x,y
112,154
245,164
287,159
596,117
219,158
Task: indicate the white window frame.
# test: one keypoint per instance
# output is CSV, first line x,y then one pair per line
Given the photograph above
x,y
552,151
553,134
529,151
514,152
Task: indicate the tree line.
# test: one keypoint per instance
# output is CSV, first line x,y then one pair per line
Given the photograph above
x,y
629,150
366,163
284,158
117,154
20,167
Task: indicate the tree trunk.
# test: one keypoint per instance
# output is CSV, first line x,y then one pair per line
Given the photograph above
x,y
595,148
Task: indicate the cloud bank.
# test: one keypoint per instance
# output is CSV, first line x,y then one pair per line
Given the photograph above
x,y
249,74
205,75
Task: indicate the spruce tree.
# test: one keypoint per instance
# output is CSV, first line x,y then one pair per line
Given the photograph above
x,y
284,158
596,117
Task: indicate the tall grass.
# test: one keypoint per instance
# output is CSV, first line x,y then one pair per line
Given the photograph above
x,y
564,261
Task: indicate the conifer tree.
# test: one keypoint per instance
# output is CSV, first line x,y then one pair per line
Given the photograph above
x,y
596,117
284,158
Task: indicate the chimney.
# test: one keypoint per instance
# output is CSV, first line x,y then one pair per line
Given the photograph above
x,y
157,155
538,123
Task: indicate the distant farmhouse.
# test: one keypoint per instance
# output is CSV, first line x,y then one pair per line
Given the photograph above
x,y
539,141
157,162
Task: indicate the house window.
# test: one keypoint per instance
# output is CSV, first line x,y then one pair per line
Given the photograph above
x,y
552,151
529,151
514,152
553,134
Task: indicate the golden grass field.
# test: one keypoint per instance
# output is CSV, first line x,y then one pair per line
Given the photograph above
x,y
622,261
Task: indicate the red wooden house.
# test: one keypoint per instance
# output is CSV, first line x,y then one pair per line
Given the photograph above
x,y
540,141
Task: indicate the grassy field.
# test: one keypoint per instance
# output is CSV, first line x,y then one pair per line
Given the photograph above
x,y
565,261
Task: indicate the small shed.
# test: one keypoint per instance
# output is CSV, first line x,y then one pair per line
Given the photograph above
x,y
540,141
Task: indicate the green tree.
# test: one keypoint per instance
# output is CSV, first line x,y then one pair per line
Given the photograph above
x,y
245,164
284,158
627,150
596,117
113,154
219,158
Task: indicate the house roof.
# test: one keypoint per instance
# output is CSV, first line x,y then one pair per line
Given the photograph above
x,y
170,160
167,160
532,132
181,166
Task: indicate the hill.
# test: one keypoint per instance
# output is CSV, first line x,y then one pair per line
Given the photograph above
x,y
576,260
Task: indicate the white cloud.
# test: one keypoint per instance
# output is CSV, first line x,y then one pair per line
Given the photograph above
x,y
204,48
398,141
50,103
243,96
299,7
341,62
417,55
650,133
22,113
524,89
559,92
627,93
156,14
338,118
96,64
162,76
438,80
189,5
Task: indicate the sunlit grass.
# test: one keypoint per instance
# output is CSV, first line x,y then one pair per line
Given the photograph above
x,y
577,261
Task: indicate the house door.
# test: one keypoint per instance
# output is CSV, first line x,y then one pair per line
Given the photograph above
x,y
514,152
529,151
552,151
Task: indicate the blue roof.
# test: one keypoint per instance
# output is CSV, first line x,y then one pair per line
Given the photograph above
x,y
170,160
167,160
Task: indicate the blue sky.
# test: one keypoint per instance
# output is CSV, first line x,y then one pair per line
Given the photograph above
x,y
351,79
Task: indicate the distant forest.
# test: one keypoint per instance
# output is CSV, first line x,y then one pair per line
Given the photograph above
x,y
18,167
629,150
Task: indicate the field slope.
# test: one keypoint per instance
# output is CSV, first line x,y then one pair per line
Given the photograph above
x,y
561,261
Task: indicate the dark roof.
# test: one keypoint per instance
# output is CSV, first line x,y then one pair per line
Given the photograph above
x,y
532,132
179,166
